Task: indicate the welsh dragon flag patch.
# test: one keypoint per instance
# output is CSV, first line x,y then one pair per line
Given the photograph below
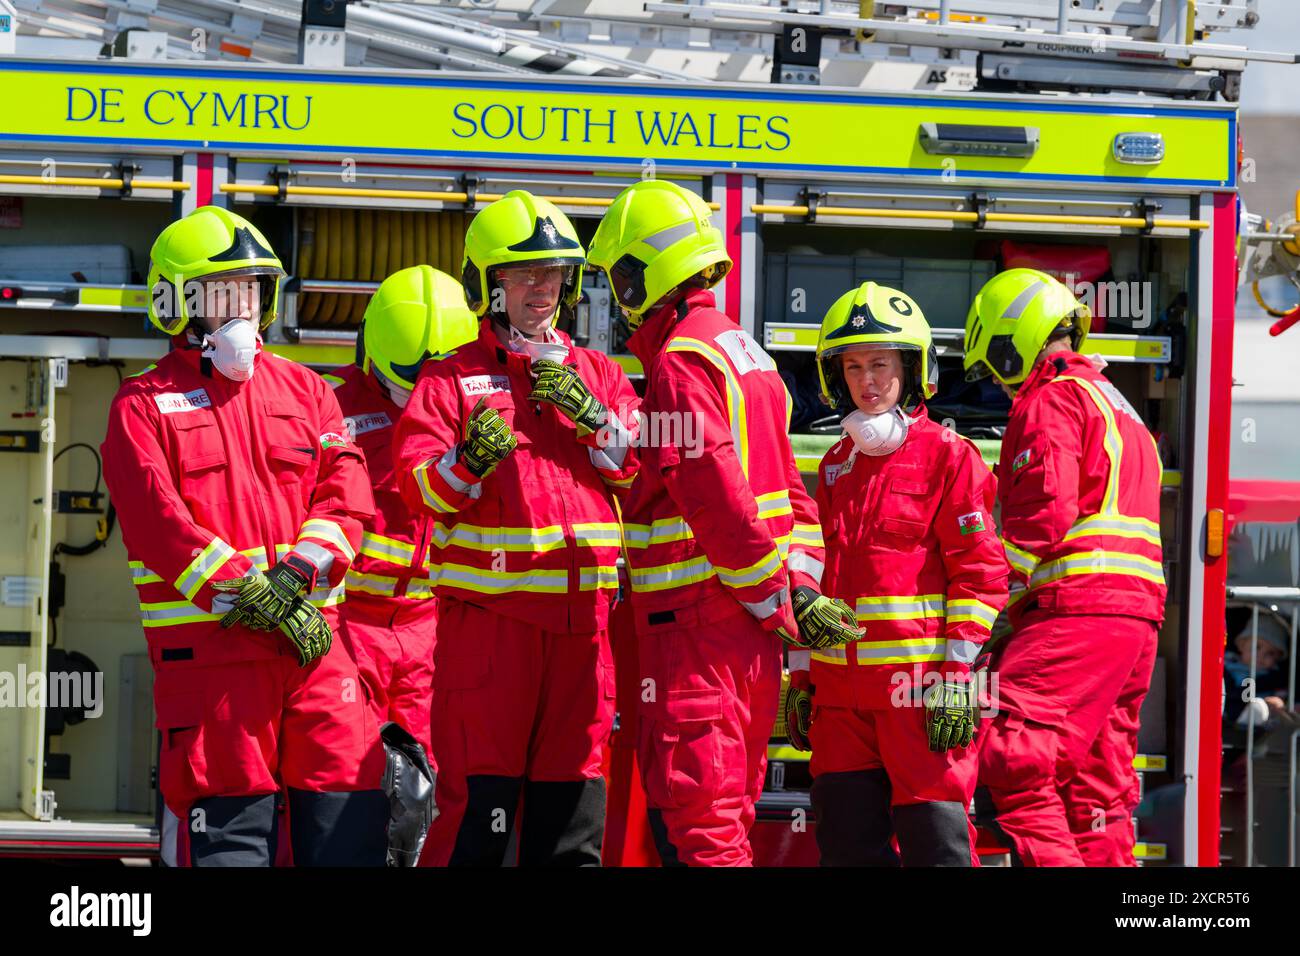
x,y
971,523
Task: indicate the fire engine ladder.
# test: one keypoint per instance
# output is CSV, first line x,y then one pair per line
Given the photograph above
x,y
1151,46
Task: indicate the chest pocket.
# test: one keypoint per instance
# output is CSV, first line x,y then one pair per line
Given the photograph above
x,y
907,510
201,454
292,449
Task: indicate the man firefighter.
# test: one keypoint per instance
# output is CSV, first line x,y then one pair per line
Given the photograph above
x,y
720,530
241,500
1079,486
516,445
907,513
390,615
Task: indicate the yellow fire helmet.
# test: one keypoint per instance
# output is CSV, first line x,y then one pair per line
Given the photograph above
x,y
1011,320
415,313
879,316
210,242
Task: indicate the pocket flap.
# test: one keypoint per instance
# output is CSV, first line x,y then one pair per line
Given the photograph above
x,y
903,486
192,464
693,706
291,455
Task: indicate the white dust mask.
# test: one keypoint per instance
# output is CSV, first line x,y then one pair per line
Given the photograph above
x,y
233,349
876,434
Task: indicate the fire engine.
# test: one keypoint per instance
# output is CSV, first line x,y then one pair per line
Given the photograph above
x,y
924,144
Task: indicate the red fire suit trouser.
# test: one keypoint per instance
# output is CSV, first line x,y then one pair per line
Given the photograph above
x,y
392,644
518,712
846,742
250,728
711,679
1058,758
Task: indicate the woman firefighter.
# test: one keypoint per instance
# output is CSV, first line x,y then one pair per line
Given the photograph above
x,y
906,512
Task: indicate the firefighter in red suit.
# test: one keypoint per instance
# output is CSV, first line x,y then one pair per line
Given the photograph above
x,y
719,530
390,616
907,513
1080,495
515,445
241,501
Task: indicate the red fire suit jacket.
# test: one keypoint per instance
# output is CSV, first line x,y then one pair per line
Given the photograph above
x,y
1080,492
911,547
388,570
720,509
211,478
538,539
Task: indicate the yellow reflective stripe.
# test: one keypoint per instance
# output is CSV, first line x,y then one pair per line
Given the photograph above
x,y
1021,561
480,538
419,588
598,534
1098,562
258,557
432,500
909,651
327,596
617,482
498,582
140,575
808,535
735,396
334,380
831,655
660,532
201,569
1113,443
773,505
756,573
331,532
170,613
970,609
387,549
379,584
671,575
603,576
1118,526
899,607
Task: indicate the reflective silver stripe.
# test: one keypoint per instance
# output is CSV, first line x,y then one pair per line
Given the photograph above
x,y
370,583
313,552
661,532
919,649
167,613
1098,562
258,557
387,549
809,535
140,575
505,539
963,652
444,469
754,574
327,596
331,532
899,608
969,609
671,575
1116,525
664,238
805,563
830,655
773,505
419,588
1021,302
498,582
211,558
765,608
1020,560
608,459
589,579
597,535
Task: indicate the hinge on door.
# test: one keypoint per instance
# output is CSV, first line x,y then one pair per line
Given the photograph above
x,y
45,806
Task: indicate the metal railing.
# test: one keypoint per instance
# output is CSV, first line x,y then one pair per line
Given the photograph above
x,y
1276,598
